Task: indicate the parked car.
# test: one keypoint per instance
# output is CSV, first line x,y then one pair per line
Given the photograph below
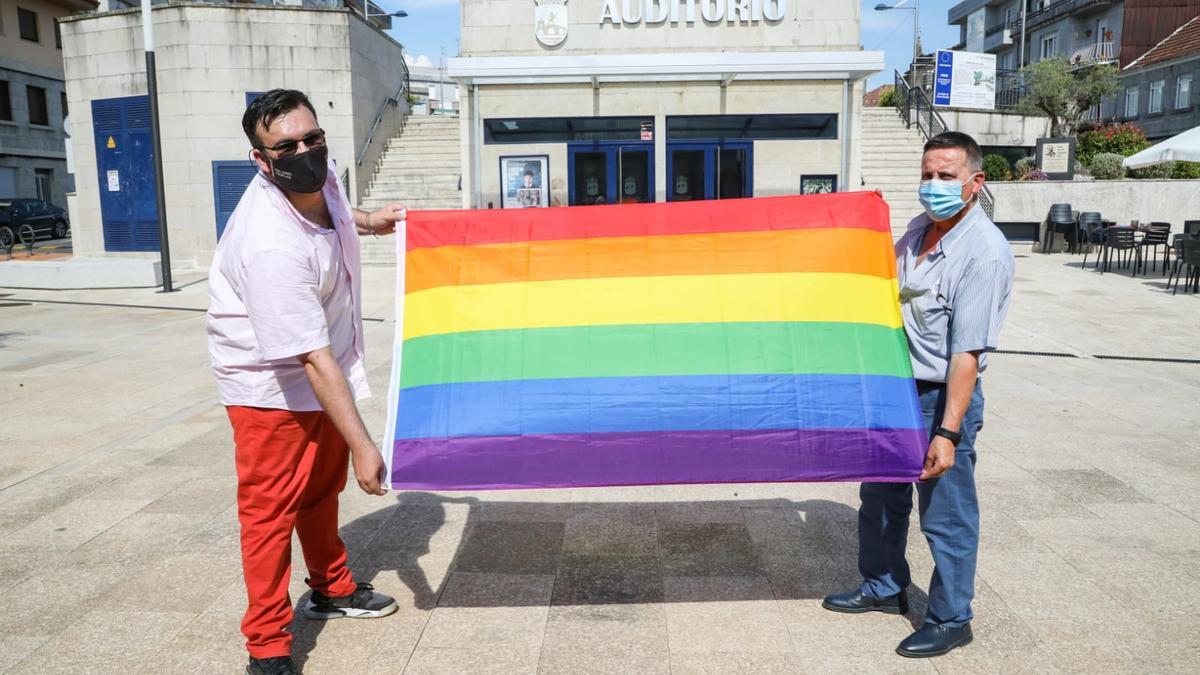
x,y
47,220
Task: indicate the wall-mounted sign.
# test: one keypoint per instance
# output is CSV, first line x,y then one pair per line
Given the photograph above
x,y
114,180
1056,157
550,21
524,181
965,80
650,12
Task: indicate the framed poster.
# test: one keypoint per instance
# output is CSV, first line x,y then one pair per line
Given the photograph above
x,y
818,184
1056,157
524,181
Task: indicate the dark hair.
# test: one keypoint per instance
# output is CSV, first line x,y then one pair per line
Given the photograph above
x,y
270,106
957,139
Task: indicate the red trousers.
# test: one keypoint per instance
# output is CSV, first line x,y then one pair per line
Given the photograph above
x,y
291,466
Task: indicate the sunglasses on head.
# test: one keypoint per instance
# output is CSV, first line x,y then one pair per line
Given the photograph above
x,y
288,148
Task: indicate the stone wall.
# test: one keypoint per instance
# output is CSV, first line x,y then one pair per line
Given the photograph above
x,y
1172,201
209,57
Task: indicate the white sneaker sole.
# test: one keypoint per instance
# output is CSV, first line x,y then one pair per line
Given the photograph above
x,y
311,612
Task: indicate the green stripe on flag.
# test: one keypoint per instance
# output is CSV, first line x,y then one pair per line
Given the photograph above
x,y
656,349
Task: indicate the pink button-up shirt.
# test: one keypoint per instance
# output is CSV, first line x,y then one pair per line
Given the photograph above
x,y
281,286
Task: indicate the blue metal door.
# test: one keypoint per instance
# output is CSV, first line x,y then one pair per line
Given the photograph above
x,y
714,169
610,172
230,180
125,166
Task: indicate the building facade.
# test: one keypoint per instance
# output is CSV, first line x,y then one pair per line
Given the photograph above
x,y
618,101
212,60
33,101
1158,89
1085,32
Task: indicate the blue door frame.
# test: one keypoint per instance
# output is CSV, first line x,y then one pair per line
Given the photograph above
x,y
612,149
710,148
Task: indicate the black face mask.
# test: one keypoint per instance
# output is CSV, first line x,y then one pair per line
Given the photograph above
x,y
302,172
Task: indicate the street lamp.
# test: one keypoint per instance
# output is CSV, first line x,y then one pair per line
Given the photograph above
x,y
367,13
916,10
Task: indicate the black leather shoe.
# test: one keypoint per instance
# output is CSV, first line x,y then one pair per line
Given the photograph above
x,y
857,602
935,640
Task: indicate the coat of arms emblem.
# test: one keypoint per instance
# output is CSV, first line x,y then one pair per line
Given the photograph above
x,y
550,21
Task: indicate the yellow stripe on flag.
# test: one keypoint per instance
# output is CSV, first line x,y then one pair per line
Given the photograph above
x,y
831,297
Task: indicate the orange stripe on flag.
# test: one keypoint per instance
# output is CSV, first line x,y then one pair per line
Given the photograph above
x,y
846,251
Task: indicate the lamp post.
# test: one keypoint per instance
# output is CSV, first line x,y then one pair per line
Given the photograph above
x,y
916,10
164,248
367,13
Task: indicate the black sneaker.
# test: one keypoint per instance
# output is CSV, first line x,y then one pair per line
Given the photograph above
x,y
363,603
276,665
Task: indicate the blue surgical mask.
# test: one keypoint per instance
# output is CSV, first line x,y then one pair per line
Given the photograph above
x,y
942,199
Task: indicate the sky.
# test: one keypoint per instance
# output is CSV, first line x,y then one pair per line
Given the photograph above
x,y
432,25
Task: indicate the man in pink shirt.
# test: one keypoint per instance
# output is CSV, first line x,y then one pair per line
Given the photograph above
x,y
285,337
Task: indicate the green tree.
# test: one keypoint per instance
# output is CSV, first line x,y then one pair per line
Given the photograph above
x,y
1054,90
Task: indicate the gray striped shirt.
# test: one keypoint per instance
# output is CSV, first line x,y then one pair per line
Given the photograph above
x,y
956,299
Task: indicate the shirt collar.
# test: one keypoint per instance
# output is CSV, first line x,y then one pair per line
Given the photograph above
x,y
332,195
948,243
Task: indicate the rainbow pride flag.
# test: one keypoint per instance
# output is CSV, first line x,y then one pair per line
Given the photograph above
x,y
707,342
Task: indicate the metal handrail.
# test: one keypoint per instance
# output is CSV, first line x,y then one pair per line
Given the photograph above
x,y
390,100
916,108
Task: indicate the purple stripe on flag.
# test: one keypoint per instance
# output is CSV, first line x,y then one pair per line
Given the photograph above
x,y
656,458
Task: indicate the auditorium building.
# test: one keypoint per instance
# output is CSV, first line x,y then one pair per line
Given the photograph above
x,y
576,102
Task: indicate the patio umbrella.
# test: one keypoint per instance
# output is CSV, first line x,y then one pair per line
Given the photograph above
x,y
1183,148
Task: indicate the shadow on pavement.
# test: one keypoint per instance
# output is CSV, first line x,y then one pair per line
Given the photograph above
x,y
465,552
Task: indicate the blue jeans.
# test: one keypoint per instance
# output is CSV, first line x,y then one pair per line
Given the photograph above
x,y
949,511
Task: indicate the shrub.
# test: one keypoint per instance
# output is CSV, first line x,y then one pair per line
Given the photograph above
x,y
1121,139
1107,166
888,99
1024,166
995,167
1156,171
1037,175
1187,170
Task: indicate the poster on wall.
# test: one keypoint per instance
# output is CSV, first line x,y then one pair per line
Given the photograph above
x,y
822,184
525,181
965,80
1056,157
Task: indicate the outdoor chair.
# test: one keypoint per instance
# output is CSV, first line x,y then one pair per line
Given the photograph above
x,y
1191,261
1091,231
1191,227
1177,250
1118,240
1061,219
1158,235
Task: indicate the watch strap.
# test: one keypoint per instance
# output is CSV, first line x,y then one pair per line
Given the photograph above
x,y
954,437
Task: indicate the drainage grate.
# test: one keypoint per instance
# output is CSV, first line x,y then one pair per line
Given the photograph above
x,y
1018,352
1152,359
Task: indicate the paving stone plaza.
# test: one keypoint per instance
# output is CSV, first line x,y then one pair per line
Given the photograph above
x,y
119,538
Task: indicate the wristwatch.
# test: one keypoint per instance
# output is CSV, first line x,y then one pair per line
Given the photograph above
x,y
954,437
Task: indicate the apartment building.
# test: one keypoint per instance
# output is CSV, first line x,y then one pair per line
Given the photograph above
x,y
1085,32
33,100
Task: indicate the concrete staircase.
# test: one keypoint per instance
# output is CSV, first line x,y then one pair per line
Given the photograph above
x,y
419,167
891,162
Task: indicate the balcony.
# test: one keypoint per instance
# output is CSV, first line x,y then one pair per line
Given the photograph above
x,y
1093,54
1059,10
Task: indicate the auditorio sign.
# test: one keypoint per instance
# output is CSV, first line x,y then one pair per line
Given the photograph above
x,y
647,12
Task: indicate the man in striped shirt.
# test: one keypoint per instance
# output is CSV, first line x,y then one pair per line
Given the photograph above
x,y
955,271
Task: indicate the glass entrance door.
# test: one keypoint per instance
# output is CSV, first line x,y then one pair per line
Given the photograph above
x,y
709,170
610,173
